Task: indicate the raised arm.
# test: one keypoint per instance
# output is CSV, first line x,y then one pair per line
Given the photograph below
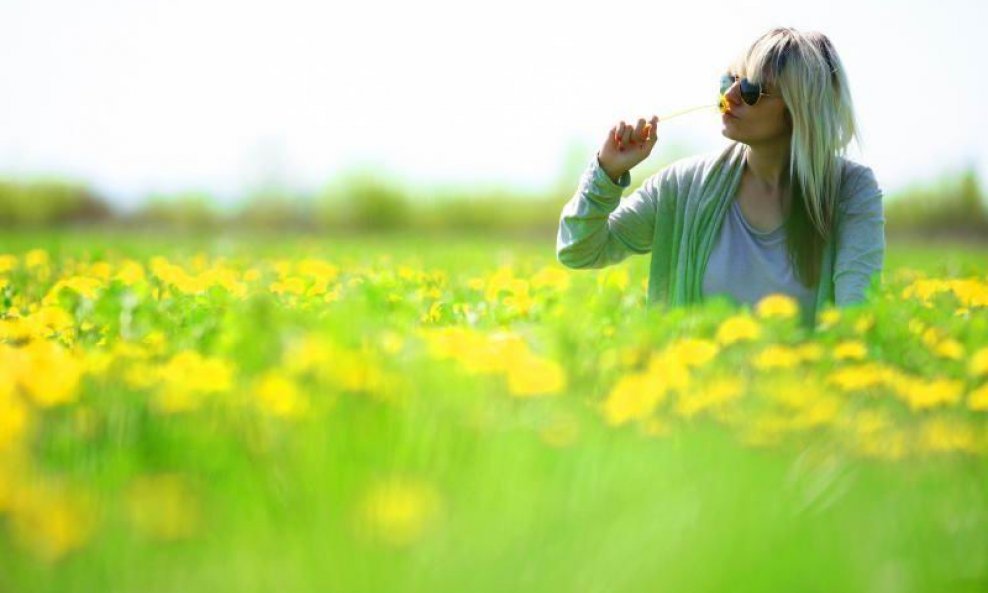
x,y
597,228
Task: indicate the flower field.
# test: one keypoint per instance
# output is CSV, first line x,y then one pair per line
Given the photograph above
x,y
467,415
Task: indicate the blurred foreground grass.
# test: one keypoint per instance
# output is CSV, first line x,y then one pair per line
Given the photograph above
x,y
411,413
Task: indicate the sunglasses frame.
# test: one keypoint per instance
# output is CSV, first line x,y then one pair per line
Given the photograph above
x,y
745,94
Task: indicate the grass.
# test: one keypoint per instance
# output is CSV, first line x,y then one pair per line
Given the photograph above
x,y
399,470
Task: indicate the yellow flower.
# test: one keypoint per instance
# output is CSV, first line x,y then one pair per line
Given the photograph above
x,y
434,314
187,377
7,262
850,350
49,373
724,105
931,337
534,375
278,395
737,328
130,273
777,305
764,430
949,348
891,445
857,377
14,415
775,356
318,269
978,365
692,352
398,511
669,370
710,394
36,258
551,277
790,391
292,285
944,436
50,521
810,351
519,301
87,287
864,323
489,354
868,422
634,397
977,400
819,412
920,394
829,317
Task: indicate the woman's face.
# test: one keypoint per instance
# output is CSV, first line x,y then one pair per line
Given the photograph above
x,y
764,122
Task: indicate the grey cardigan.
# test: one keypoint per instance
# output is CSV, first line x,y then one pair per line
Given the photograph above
x,y
677,212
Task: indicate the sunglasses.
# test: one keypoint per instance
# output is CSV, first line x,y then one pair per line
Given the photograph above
x,y
750,92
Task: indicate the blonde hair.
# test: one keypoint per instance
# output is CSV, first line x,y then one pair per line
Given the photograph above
x,y
806,71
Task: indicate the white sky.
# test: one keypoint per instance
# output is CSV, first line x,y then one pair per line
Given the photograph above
x,y
142,96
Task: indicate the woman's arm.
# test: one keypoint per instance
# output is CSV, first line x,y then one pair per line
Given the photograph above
x,y
597,228
860,241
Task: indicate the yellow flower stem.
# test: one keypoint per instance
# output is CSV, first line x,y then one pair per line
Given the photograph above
x,y
663,118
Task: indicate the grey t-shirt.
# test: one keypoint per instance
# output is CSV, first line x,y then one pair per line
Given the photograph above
x,y
747,264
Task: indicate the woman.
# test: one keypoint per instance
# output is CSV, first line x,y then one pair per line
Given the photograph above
x,y
779,210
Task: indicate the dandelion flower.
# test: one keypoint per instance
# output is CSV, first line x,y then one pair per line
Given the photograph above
x,y
977,400
535,375
634,397
777,305
850,350
736,329
978,365
775,356
949,348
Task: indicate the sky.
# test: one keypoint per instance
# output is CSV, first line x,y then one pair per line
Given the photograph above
x,y
136,98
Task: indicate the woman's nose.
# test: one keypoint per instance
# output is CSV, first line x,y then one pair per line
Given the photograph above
x,y
733,93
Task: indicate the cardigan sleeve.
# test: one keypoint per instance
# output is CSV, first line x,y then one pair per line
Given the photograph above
x,y
597,228
860,241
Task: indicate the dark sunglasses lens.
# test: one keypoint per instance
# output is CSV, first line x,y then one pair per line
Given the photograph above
x,y
725,83
750,92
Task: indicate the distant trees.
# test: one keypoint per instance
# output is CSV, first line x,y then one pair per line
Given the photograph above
x,y
365,201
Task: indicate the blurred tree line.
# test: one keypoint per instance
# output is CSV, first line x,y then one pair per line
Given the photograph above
x,y
362,201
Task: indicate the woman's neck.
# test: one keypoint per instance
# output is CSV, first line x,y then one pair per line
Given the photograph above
x,y
767,167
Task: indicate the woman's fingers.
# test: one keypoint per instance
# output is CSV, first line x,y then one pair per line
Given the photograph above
x,y
639,128
624,135
652,129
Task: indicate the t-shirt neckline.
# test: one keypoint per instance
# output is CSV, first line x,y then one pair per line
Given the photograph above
x,y
753,230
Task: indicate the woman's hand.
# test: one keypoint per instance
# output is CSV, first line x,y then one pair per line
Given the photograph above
x,y
625,146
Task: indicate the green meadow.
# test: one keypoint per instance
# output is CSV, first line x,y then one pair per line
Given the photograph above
x,y
413,412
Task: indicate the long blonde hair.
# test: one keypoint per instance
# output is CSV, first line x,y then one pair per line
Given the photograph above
x,y
806,70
